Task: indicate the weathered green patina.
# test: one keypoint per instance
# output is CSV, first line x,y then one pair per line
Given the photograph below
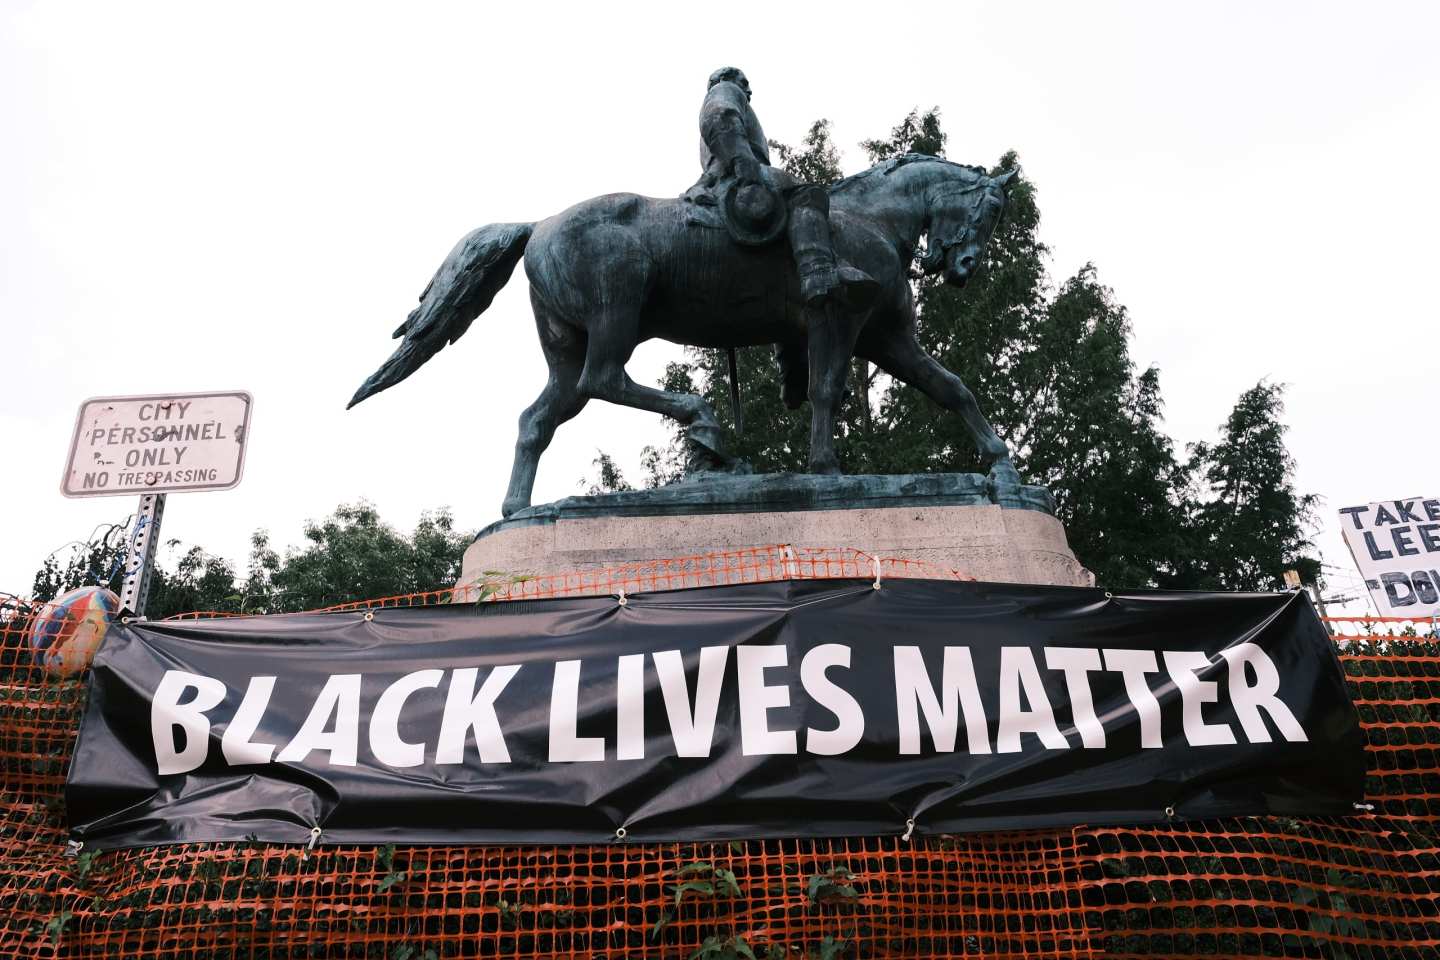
x,y
710,269
775,492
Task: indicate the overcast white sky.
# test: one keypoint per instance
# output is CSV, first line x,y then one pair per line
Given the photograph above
x,y
217,196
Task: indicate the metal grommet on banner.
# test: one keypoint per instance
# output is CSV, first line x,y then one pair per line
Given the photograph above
x,y
369,615
623,601
621,833
909,829
1170,813
314,839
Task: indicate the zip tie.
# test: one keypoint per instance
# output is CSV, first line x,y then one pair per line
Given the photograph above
x,y
1109,595
876,584
623,601
120,556
314,839
73,847
792,567
910,823
1367,807
621,833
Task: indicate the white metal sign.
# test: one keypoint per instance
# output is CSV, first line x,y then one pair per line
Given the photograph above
x,y
175,443
1396,546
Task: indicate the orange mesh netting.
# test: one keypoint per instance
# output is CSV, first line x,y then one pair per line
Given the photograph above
x,y
1363,886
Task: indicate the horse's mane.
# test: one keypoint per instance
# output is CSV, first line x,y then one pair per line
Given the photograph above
x,y
867,180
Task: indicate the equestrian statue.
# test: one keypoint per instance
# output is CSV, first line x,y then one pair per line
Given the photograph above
x,y
748,256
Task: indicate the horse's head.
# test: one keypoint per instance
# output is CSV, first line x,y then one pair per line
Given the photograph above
x,y
961,218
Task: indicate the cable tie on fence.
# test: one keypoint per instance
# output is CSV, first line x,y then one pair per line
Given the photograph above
x,y
73,848
876,584
314,839
910,823
623,602
1109,595
792,567
1367,807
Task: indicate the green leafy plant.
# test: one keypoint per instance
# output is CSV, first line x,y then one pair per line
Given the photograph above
x,y
84,863
509,913
700,880
385,859
709,881
409,952
724,948
834,886
831,948
493,582
56,925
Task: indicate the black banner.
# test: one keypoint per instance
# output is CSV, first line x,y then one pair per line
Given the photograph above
x,y
817,708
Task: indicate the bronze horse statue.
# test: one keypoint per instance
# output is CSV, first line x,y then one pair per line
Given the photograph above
x,y
614,271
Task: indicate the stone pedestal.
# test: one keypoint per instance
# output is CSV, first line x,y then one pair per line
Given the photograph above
x,y
963,522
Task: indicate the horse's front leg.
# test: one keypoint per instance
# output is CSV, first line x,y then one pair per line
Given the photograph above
x,y
901,356
832,334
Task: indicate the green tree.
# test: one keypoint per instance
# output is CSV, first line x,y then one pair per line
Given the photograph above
x,y
1249,521
354,555
351,555
196,581
816,160
608,478
97,560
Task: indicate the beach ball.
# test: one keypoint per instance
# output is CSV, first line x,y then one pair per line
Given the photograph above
x,y
67,631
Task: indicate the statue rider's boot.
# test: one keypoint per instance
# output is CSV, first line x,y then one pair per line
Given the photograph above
x,y
820,277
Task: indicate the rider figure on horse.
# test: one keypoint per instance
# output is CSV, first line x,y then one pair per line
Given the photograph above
x,y
754,198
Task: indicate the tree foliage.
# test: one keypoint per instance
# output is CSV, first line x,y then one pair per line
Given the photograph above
x,y
1249,520
350,555
1050,365
354,555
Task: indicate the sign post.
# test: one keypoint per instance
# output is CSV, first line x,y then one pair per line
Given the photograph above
x,y
140,556
153,445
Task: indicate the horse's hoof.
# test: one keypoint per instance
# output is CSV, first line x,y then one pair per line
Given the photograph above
x,y
713,470
513,505
1003,471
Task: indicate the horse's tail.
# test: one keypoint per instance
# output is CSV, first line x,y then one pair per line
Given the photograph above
x,y
461,289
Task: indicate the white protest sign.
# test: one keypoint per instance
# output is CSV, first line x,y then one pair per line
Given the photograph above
x,y
1396,546
167,443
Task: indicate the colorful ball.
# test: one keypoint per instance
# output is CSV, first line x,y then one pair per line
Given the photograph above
x,y
67,631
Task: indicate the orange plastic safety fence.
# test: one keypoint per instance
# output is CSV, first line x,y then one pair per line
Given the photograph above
x,y
1365,886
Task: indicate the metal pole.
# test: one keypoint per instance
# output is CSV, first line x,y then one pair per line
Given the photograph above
x,y
1320,605
140,560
